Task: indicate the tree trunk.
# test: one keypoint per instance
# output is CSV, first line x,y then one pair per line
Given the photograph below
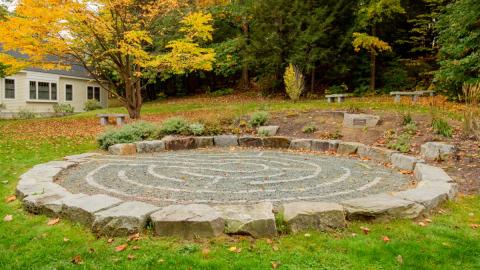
x,y
312,82
373,67
245,80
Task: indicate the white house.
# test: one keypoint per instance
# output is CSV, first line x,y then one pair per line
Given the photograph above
x,y
37,90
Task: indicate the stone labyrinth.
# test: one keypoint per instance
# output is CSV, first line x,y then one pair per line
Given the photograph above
x,y
230,177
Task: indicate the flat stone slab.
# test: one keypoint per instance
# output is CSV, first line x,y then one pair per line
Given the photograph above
x,y
348,148
424,172
204,141
301,144
188,221
382,207
122,220
404,162
430,196
301,216
325,145
123,149
54,208
37,188
174,143
375,153
276,142
256,220
150,146
82,209
35,203
250,141
360,120
226,140
268,130
437,150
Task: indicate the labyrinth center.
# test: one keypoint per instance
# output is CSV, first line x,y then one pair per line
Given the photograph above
x,y
229,177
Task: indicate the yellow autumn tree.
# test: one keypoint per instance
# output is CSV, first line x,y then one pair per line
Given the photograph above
x,y
112,39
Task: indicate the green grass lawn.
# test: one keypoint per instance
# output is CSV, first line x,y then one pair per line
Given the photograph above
x,y
27,242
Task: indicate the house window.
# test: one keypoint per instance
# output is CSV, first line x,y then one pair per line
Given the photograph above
x,y
9,88
93,93
68,92
43,91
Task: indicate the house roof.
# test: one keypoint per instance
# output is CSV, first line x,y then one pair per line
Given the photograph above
x,y
76,70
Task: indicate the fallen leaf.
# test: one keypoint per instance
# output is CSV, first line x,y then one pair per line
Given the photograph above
x,y
269,241
65,239
275,248
307,235
386,239
121,247
354,235
130,257
54,221
10,198
110,240
8,218
205,252
422,224
400,259
134,237
77,259
405,172
91,250
365,230
235,249
135,247
474,226
275,265
427,220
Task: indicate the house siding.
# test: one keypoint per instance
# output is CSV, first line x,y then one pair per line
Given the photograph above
x,y
22,102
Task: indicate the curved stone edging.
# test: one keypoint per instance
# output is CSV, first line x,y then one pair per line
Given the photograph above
x,y
111,216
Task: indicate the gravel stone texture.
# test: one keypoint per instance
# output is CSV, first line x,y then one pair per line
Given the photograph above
x,y
231,176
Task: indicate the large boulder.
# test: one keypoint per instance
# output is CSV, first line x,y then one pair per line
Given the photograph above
x,y
188,221
348,148
226,140
250,141
82,209
123,149
301,216
122,220
360,120
204,141
301,144
276,142
382,207
256,220
375,153
150,146
268,130
404,162
424,172
179,143
437,150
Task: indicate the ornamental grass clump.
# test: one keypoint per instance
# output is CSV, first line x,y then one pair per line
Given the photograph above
x,y
294,82
258,119
130,133
471,125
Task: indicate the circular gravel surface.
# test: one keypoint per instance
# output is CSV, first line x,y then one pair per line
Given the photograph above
x,y
231,176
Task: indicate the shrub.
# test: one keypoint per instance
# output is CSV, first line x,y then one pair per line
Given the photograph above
x,y
258,119
407,119
196,129
26,114
442,127
63,108
221,92
263,133
402,143
134,132
92,104
174,125
411,128
471,94
310,128
294,82
337,89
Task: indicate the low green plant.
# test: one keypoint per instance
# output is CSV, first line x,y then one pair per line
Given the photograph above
x,y
407,119
442,127
25,113
174,125
353,108
294,82
63,108
130,133
402,143
196,129
221,92
263,133
258,119
335,135
411,128
310,128
91,105
337,89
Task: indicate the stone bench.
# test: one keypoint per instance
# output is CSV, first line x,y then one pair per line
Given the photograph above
x,y
119,118
339,97
414,95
